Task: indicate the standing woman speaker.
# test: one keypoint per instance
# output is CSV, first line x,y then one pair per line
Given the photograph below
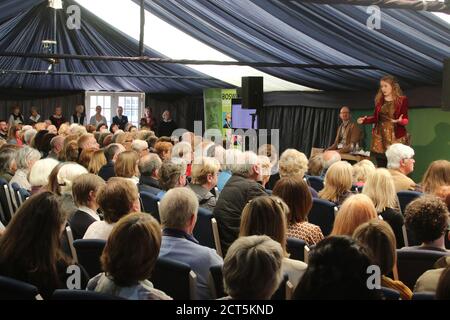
x,y
389,119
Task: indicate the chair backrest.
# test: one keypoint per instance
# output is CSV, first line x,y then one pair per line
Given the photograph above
x,y
412,263
23,194
89,252
322,214
5,200
316,183
150,203
424,296
203,231
176,279
70,240
390,294
12,289
296,248
15,197
64,294
405,197
280,294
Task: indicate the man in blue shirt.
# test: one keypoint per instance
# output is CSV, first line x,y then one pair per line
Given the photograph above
x,y
120,119
178,212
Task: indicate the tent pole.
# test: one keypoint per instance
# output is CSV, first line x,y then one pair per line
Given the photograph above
x,y
186,61
141,35
417,5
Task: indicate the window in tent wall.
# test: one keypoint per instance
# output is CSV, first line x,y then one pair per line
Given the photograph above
x,y
132,103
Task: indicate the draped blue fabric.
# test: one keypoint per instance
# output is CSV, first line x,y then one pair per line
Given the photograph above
x,y
410,44
24,24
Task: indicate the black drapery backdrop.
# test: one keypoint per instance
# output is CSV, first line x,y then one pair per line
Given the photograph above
x,y
45,101
301,127
184,109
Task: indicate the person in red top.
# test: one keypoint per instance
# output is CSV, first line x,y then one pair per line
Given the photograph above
x,y
148,120
389,119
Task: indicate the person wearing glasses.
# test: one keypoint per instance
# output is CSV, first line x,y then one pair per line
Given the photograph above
x,y
348,133
400,163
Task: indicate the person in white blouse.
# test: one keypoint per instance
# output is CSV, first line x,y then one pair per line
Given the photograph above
x,y
97,118
116,199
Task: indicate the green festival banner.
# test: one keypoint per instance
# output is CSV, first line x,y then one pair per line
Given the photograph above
x,y
218,109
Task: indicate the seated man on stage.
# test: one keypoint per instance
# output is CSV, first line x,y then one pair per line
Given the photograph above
x,y
348,133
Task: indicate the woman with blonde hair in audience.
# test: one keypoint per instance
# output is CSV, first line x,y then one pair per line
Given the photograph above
x,y
205,173
337,183
266,215
361,171
125,139
164,150
356,210
437,175
64,129
98,160
379,238
40,173
266,168
126,166
127,269
294,191
315,165
380,189
85,157
116,199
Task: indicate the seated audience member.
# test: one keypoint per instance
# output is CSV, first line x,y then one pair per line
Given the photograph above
x,y
429,280
204,173
443,192
75,129
348,133
267,216
315,165
337,183
271,152
230,157
71,152
379,238
361,172
45,145
3,130
98,160
113,128
38,139
85,157
380,189
40,172
294,163
126,166
56,145
84,191
252,268
149,166
239,190
172,174
127,268
294,191
57,119
140,147
63,130
266,168
28,136
112,151
14,136
116,199
443,288
355,211
436,176
8,165
337,270
427,218
178,211
87,141
30,246
329,158
26,157
52,129
60,182
400,163
125,139
163,149
102,127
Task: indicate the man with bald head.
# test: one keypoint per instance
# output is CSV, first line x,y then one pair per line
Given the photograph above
x,y
348,133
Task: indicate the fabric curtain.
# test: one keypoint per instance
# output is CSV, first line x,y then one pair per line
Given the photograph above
x,y
301,128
